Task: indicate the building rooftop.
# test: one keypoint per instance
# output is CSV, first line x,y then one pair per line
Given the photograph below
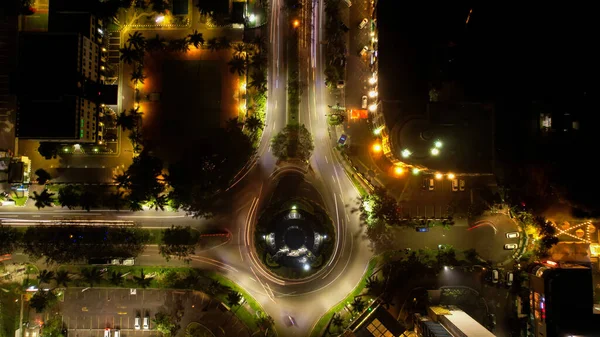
x,y
378,323
70,22
467,325
48,119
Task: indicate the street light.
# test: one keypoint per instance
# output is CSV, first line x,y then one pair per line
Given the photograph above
x,y
252,18
378,130
438,144
373,80
415,171
406,153
398,170
372,93
435,151
160,19
439,176
296,23
377,147
373,107
451,176
306,267
243,86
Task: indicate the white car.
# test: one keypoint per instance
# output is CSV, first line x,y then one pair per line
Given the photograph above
x,y
495,276
511,246
136,324
146,322
107,332
454,185
512,235
462,185
509,279
364,51
364,102
363,23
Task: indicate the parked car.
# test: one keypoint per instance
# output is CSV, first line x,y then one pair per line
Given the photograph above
x,y
425,184
146,322
422,229
431,184
462,185
107,332
512,235
117,333
136,322
364,102
511,246
364,51
509,279
454,185
363,23
495,276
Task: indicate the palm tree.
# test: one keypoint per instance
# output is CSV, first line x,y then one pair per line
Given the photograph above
x,y
91,275
259,81
137,75
253,124
234,298
224,42
45,276
358,305
88,200
192,279
259,60
116,200
68,196
158,202
129,55
337,320
156,43
237,64
196,39
232,124
116,278
214,287
62,278
122,180
260,43
373,285
212,44
126,120
239,49
43,199
142,280
135,205
137,41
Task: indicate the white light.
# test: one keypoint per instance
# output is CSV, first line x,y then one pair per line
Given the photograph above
x,y
372,80
306,267
294,207
100,31
252,17
406,153
264,237
372,93
325,236
373,107
445,267
438,144
160,19
435,151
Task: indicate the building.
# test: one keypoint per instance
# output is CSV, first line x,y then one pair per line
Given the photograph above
x,y
561,300
449,322
57,92
376,321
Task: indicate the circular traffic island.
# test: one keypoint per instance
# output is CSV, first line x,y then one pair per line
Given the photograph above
x,y
294,238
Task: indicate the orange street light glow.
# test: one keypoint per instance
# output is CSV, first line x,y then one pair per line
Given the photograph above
x,y
451,176
439,176
376,147
296,23
398,170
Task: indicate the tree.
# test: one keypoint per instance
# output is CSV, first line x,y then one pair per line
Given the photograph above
x,y
68,196
358,305
91,275
127,120
374,285
117,200
237,64
192,279
88,200
239,50
62,278
137,41
48,150
179,45
196,39
42,300
135,205
258,81
43,199
53,327
293,141
253,124
159,6
10,239
234,298
337,320
142,280
158,202
223,42
141,4
129,54
260,43
137,75
259,61
213,44
265,322
45,276
42,175
179,242
116,278
142,178
164,323
156,43
214,287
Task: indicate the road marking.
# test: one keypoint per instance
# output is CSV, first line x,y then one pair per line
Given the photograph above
x,y
337,213
240,243
327,161
36,216
338,181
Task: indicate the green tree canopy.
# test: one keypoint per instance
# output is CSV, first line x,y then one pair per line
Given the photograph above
x,y
179,242
165,324
10,238
49,150
68,196
43,176
44,199
294,141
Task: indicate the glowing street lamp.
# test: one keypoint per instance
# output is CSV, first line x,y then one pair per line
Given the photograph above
x,y
372,93
252,18
377,147
439,176
406,153
243,86
398,170
294,207
373,107
415,171
306,267
378,130
435,151
372,80
296,23
160,19
438,144
451,176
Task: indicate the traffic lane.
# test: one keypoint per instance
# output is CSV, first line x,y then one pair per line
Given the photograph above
x,y
356,83
499,302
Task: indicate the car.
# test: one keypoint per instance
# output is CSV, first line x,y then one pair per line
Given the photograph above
x,y
431,184
291,320
512,235
495,276
363,102
341,84
117,333
422,229
425,184
107,332
146,322
454,185
462,185
509,279
363,23
511,246
136,322
364,51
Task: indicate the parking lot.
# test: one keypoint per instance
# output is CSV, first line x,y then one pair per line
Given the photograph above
x,y
89,313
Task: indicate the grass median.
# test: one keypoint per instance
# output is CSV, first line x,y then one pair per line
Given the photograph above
x,y
324,320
